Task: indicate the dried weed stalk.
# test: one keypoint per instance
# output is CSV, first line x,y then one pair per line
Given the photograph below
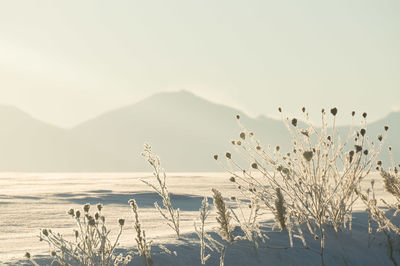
x,y
170,215
143,246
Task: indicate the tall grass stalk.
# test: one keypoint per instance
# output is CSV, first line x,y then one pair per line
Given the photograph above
x,y
171,215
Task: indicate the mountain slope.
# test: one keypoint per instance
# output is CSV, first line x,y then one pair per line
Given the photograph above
x,y
29,145
184,130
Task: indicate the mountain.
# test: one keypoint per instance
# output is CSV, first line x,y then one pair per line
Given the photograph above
x,y
185,130
29,145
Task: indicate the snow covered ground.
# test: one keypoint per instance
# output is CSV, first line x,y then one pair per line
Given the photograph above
x,y
29,202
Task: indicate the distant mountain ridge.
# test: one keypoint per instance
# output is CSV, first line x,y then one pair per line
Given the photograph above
x,y
184,129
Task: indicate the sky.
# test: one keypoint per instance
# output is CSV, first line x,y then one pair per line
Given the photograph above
x,y
67,61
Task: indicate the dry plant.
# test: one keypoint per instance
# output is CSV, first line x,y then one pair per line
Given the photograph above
x,y
249,224
144,247
312,184
223,218
383,217
92,245
201,233
170,215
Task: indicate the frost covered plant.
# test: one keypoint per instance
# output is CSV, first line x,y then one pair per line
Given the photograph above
x,y
144,247
313,183
92,245
170,214
223,218
224,221
280,209
200,231
249,223
383,217
380,216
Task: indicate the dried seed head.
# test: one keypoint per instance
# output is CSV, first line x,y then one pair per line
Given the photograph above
x,y
215,157
97,216
76,233
358,148
334,111
228,155
353,113
390,148
86,207
45,232
329,138
379,163
364,115
239,143
233,142
351,154
305,132
258,148
99,206
121,222
303,109
242,135
232,179
28,255
280,110
277,148
386,128
237,116
365,152
308,155
78,213
323,111
53,253
294,122
233,198
71,212
380,137
91,221
363,131
254,165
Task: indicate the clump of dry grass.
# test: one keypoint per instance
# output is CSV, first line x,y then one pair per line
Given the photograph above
x,y
92,245
224,217
143,246
170,215
280,209
315,182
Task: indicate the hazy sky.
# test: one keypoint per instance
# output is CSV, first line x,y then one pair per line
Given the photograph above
x,y
67,61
